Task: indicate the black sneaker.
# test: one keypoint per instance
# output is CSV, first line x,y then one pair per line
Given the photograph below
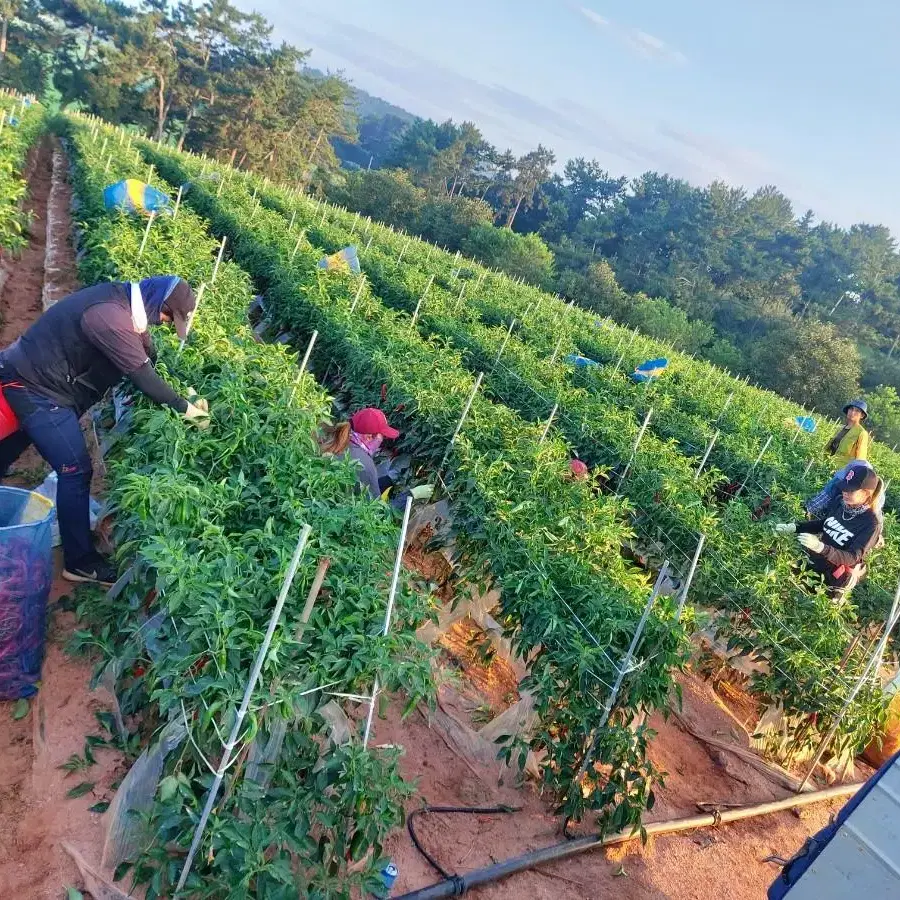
x,y
95,570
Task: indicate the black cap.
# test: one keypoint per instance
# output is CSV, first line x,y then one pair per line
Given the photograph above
x,y
859,478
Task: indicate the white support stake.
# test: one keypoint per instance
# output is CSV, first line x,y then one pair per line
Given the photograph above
x,y
623,670
709,448
395,580
422,299
293,218
359,290
872,666
303,365
727,404
200,292
634,449
146,235
218,259
462,419
755,464
505,342
683,595
405,247
459,300
808,467
297,245
556,349
245,705
550,419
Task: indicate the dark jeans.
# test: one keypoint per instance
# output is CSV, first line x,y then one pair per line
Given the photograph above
x,y
57,436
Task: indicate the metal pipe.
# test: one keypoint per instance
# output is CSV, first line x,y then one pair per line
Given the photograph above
x,y
463,883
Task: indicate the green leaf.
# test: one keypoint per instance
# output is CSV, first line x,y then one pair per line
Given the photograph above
x,y
73,894
20,710
168,787
81,789
100,807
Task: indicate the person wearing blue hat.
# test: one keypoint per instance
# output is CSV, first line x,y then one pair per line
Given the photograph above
x,y
64,363
849,447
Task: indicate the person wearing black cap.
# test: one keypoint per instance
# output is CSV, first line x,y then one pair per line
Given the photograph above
x,y
837,543
63,364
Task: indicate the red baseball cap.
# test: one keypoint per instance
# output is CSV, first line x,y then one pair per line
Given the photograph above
x,y
372,421
578,468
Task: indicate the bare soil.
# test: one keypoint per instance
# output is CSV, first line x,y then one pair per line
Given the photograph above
x,y
36,816
707,864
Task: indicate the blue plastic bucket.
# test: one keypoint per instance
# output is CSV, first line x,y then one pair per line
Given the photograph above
x,y
26,572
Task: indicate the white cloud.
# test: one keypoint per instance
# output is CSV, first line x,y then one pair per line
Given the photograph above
x,y
594,17
643,43
653,47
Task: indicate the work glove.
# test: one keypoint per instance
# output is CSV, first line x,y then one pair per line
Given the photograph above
x,y
785,528
811,542
198,414
422,492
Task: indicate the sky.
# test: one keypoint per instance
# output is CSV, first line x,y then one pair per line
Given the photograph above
x,y
797,93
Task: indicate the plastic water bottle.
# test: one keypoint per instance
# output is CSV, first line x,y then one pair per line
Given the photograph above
x,y
389,875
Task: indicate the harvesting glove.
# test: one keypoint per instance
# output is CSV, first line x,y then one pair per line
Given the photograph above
x,y
811,542
198,414
422,492
785,528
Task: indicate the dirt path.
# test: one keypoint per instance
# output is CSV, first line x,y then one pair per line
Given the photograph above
x,y
36,816
708,864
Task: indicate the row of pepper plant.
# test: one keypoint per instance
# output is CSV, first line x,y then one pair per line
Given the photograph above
x,y
569,601
747,412
208,521
23,123
745,569
404,275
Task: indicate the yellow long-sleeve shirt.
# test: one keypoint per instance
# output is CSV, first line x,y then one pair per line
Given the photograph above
x,y
853,445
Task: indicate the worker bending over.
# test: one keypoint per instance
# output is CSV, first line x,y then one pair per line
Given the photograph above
x,y
63,364
838,542
361,440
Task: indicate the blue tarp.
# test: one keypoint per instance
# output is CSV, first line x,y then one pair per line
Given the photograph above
x,y
134,196
580,362
650,369
806,423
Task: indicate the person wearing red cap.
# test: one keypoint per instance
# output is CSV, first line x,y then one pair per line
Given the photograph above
x,y
837,543
361,440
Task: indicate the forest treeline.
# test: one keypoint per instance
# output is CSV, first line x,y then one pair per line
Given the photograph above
x,y
802,306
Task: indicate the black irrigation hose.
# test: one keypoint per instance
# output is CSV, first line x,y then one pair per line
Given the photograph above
x,y
472,810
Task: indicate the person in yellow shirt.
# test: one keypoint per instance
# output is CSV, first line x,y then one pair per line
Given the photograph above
x,y
848,447
852,441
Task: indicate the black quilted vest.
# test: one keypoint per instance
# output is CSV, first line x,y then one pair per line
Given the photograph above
x,y
54,357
